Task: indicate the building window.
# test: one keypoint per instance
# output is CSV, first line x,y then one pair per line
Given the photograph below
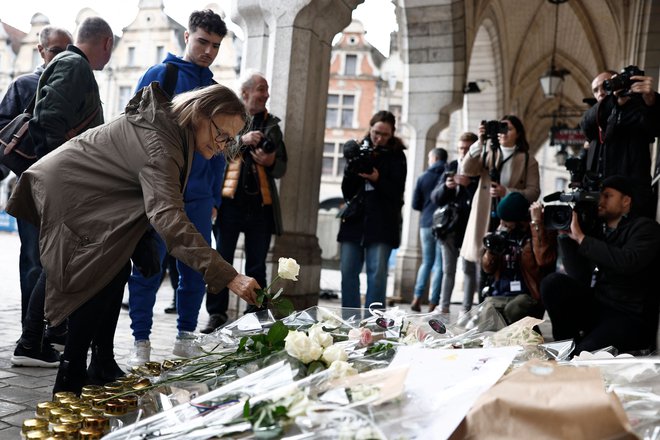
x,y
350,66
125,94
131,56
160,54
333,159
341,109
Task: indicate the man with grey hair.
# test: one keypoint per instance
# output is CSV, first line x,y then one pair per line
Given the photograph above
x,y
67,103
250,202
52,41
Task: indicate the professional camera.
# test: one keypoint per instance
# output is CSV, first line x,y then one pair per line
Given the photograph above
x,y
493,128
622,81
500,242
583,199
266,145
359,158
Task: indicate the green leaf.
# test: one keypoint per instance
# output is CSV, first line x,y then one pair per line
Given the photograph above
x,y
284,307
277,295
246,409
277,333
261,295
315,367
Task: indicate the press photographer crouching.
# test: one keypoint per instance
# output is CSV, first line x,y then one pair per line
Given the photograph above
x,y
373,185
621,127
518,256
618,305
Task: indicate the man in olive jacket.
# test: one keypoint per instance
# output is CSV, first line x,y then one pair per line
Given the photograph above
x,y
67,95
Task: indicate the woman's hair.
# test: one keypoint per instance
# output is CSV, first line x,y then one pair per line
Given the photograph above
x,y
190,108
387,118
521,141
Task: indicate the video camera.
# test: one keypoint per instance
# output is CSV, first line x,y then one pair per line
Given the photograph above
x,y
266,145
623,80
360,159
583,199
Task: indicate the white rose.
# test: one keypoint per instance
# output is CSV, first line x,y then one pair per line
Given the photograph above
x,y
334,353
318,335
298,345
339,369
288,269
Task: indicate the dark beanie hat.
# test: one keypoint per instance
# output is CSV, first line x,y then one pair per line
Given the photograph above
x,y
620,183
513,208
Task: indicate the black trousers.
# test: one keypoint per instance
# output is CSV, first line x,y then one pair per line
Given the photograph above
x,y
576,313
96,321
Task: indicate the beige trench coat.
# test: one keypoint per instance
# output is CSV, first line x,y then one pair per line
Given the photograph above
x,y
95,196
524,181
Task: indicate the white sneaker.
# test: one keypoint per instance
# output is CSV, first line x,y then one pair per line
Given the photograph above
x,y
140,353
186,345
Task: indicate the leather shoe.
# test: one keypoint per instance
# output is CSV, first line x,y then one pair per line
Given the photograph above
x,y
171,309
216,320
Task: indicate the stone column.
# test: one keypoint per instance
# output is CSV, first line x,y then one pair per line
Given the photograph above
x,y
290,41
433,47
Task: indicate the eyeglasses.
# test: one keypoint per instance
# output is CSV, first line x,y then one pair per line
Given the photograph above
x,y
222,137
54,50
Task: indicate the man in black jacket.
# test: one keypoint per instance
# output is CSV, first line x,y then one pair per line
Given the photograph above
x,y
431,252
52,40
455,187
620,128
620,307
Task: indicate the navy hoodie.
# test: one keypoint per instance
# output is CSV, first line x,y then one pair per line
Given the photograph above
x,y
422,194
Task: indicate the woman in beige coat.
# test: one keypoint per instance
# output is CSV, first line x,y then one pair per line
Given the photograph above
x,y
95,196
518,172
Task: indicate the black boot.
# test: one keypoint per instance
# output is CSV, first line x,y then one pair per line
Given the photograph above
x,y
103,368
69,378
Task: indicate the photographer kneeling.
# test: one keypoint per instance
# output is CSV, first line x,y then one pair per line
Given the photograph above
x,y
518,256
620,306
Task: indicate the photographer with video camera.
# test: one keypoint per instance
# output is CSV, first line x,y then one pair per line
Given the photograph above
x,y
621,127
503,167
618,306
373,186
518,256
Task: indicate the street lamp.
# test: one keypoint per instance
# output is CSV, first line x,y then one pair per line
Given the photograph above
x,y
553,78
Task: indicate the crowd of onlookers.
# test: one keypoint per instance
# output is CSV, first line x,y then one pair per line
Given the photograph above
x,y
109,205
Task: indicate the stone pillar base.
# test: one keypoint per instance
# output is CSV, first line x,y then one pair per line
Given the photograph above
x,y
305,249
407,263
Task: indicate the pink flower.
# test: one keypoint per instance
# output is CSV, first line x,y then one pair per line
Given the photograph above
x,y
363,335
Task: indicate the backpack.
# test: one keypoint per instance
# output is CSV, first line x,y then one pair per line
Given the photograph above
x,y
445,220
16,147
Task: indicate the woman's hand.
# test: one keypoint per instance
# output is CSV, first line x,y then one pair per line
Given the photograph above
x,y
497,190
462,179
244,287
262,158
372,177
536,212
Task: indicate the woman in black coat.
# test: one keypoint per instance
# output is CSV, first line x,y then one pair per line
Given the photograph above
x,y
373,188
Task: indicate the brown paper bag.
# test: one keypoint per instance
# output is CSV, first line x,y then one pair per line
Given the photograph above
x,y
543,400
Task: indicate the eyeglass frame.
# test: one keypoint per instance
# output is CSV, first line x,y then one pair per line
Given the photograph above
x,y
222,136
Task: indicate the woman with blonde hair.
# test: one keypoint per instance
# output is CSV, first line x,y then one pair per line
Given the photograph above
x,y
96,195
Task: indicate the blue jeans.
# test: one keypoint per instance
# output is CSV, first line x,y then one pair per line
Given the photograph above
x,y
190,292
29,264
450,253
431,265
353,256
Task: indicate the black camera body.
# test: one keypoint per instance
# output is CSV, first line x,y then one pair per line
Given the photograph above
x,y
493,128
266,145
583,199
623,80
360,159
500,242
